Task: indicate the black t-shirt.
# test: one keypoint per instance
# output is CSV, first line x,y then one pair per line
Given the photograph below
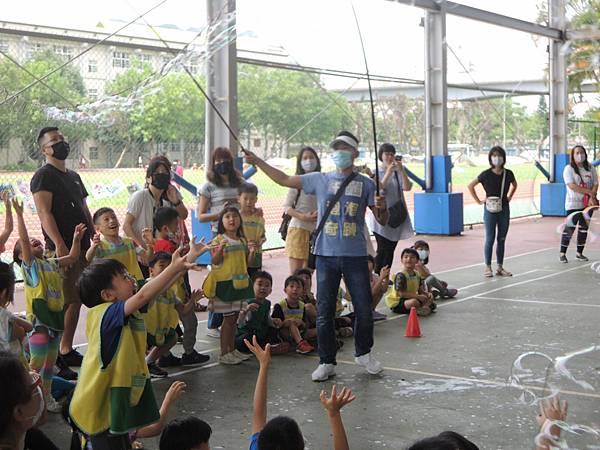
x,y
68,202
492,183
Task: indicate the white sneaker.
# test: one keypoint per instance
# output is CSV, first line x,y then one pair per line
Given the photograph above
x,y
213,333
242,356
229,359
52,405
368,362
323,372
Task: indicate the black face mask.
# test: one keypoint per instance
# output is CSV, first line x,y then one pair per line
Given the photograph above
x,y
61,150
161,181
223,168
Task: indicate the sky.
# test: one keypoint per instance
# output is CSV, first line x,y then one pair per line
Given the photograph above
x,y
323,33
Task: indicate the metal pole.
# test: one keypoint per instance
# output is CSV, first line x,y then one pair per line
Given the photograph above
x,y
504,121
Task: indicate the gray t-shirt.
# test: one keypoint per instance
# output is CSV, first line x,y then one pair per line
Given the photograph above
x,y
142,206
588,178
218,197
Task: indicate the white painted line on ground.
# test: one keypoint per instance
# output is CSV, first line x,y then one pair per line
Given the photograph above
x,y
543,302
473,380
491,291
183,372
494,280
509,257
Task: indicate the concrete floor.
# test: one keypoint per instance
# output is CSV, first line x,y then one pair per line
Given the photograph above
x,y
454,377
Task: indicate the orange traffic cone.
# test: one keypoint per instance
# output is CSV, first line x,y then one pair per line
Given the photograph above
x,y
412,326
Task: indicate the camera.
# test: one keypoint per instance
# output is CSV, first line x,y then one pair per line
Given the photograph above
x,y
398,157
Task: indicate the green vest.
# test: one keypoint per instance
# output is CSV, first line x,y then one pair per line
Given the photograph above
x,y
45,301
117,397
259,321
162,316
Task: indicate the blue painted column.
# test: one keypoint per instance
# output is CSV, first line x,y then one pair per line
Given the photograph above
x,y
552,195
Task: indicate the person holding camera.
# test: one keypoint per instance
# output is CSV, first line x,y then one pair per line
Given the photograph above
x,y
394,181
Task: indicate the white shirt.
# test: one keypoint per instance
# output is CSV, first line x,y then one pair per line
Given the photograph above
x,y
586,178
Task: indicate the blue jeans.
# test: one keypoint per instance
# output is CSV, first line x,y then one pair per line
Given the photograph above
x,y
215,320
355,271
501,221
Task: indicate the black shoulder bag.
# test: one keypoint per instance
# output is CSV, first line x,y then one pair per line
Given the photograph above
x,y
312,259
398,212
286,218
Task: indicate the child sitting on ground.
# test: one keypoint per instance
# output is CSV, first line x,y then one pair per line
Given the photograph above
x,y
188,433
436,286
114,376
310,302
163,316
255,318
290,314
44,299
253,224
113,246
408,289
167,238
283,432
379,286
80,441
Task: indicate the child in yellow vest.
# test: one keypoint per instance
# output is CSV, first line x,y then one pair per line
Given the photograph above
x,y
163,316
290,314
44,299
114,394
113,246
408,289
227,285
253,224
12,327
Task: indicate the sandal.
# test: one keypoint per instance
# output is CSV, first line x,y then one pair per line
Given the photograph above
x,y
488,273
503,273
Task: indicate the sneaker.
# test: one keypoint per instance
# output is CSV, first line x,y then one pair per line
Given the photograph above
x,y
424,311
432,306
229,359
563,259
346,332
581,257
368,362
488,273
503,273
338,344
241,355
189,359
280,349
213,333
73,358
450,293
377,316
169,360
52,405
323,372
156,372
304,347
67,374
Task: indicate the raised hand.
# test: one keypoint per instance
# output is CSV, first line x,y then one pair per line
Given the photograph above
x,y
251,158
336,402
263,355
176,390
196,295
148,237
79,232
18,207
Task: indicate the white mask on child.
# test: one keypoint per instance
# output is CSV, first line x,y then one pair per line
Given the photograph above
x,y
423,254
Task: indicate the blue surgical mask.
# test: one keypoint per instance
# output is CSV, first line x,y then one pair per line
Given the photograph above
x,y
342,159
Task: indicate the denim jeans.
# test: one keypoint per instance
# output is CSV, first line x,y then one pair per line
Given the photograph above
x,y
355,271
501,221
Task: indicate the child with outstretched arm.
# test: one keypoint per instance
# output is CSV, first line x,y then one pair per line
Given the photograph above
x,y
270,434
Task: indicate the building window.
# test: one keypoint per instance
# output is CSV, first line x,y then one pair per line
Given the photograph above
x,y
93,153
4,46
93,94
192,66
33,49
92,66
256,143
145,58
121,60
64,51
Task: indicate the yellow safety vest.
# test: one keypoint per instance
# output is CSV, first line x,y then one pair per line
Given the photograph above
x,y
118,397
413,282
233,270
124,253
162,316
45,302
254,230
292,313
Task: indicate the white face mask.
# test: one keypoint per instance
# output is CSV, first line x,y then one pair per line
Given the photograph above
x,y
309,164
423,254
497,161
579,157
36,417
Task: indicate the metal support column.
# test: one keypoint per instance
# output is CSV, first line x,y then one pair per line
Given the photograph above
x,y
553,193
438,210
221,80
